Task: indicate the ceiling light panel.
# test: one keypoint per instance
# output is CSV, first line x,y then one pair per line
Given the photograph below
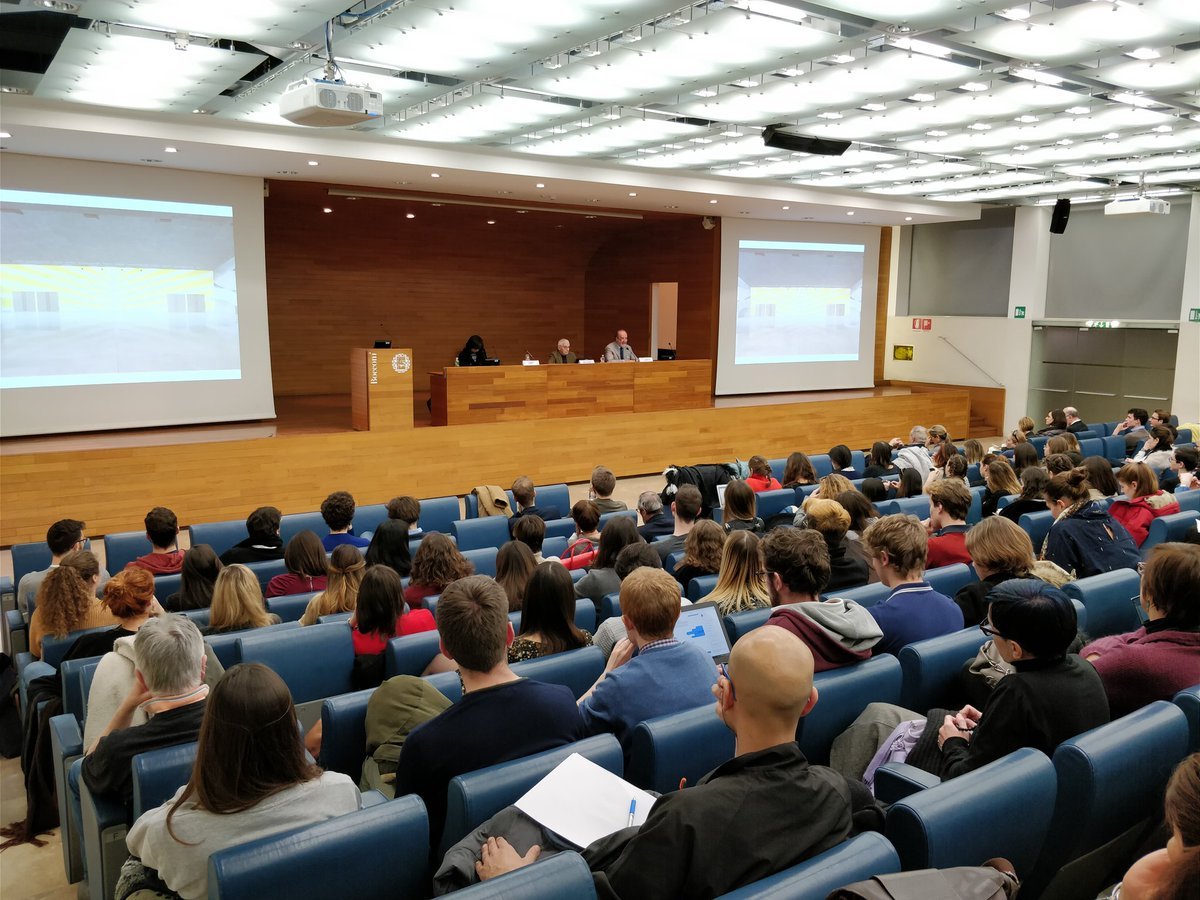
x,y
810,166
614,137
897,177
275,22
917,13
1178,72
140,72
706,155
1186,139
481,117
715,47
1126,166
1030,190
1052,129
967,182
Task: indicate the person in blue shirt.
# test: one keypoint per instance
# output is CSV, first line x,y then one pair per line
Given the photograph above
x,y
338,512
897,546
663,677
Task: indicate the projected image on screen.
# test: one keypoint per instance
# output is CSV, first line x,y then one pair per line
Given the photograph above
x,y
108,290
798,302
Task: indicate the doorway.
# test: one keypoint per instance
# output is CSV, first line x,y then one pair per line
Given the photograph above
x,y
664,315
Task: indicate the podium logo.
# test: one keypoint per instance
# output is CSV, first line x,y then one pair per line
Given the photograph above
x,y
401,363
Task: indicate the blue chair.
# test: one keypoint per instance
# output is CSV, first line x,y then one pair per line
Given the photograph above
x,y
475,534
770,503
778,467
316,861
687,744
559,528
1172,527
68,673
1039,444
740,623
368,518
814,879
123,548
673,560
1114,448
66,747
701,586
1091,447
975,511
314,662
948,580
342,618
1037,526
610,607
1188,500
166,585
289,607
822,465
448,683
344,732
931,669
555,546
410,654
1001,809
294,523
562,875
867,595
1110,786
26,558
225,646
1111,601
577,669
483,558
265,571
554,495
219,535
974,479
437,514
475,797
842,694
158,774
55,648
102,838
471,504
1189,701
605,518
908,506
585,615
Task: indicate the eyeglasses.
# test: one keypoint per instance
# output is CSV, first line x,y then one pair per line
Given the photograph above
x,y
989,630
723,668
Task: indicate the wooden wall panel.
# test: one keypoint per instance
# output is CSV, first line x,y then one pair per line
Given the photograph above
x,y
589,390
986,403
112,489
881,300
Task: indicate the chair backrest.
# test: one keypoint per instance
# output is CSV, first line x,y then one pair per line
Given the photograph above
x,y
911,506
314,662
687,744
770,503
585,615
341,618
1171,527
1114,448
265,571
975,511
158,774
554,546
617,514
367,518
200,617
123,548
68,674
1091,447
410,654
1110,781
1001,809
610,607
219,535
28,558
1110,599
473,534
344,732
1189,701
55,648
740,623
1039,444
475,797
554,495
294,523
842,694
867,595
814,879
340,857
947,580
577,669
559,528
1188,499
821,464
471,504
701,586
1037,526
973,476
931,668
448,683
87,671
438,512
166,585
290,607
225,646
562,875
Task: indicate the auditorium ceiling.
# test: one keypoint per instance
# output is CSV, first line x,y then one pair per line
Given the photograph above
x,y
955,100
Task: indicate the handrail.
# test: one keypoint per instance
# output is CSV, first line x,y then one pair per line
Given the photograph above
x,y
971,361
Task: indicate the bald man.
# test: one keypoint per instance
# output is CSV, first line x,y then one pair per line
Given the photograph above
x,y
757,814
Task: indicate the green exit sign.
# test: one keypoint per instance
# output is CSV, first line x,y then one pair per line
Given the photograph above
x,y
1019,313
1194,315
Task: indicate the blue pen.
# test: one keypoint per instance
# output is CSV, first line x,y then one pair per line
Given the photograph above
x,y
632,810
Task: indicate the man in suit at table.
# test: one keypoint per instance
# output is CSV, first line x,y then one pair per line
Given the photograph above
x,y
619,350
563,354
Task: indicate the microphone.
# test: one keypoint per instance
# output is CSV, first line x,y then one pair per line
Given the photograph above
x,y
528,355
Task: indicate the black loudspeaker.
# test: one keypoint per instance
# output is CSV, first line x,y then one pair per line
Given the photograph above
x,y
1062,212
773,136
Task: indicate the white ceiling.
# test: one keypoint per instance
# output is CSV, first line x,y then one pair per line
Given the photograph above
x,y
947,100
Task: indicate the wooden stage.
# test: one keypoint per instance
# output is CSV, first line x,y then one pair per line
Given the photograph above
x,y
216,472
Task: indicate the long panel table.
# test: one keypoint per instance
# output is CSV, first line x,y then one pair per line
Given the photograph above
x,y
486,394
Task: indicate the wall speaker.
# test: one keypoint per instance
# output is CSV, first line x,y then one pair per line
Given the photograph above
x,y
773,136
1062,212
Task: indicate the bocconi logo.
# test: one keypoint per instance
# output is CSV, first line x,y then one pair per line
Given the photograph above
x,y
401,363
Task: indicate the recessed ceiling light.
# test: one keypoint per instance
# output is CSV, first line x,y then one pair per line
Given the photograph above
x,y
434,175
60,6
491,221
849,212
842,58
829,115
936,133
1077,110
787,207
313,162
169,150
4,135
327,210
1016,13
908,218
1162,129
9,89
980,126
874,107
1021,148
521,212
974,86
539,185
1111,136
1027,119
1144,53
731,132
712,201
410,215
633,193
1065,142
921,98
705,92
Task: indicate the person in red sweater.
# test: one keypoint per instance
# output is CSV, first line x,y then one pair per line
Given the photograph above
x,y
162,528
760,478
307,567
1163,656
381,614
949,503
1143,501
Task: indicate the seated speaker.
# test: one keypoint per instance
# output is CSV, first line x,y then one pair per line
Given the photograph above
x,y
774,136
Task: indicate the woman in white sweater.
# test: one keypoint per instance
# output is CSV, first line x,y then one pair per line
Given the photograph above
x,y
251,779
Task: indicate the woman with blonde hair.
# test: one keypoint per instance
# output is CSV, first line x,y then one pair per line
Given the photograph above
x,y
973,450
1026,425
741,584
66,600
346,569
702,550
237,602
831,485
514,565
1001,481
942,457
436,563
1000,549
740,513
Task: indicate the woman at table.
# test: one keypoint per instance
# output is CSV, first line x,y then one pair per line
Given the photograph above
x,y
473,352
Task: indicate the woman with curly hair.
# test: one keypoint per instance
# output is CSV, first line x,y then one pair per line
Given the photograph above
x,y
436,563
346,568
66,600
702,549
129,596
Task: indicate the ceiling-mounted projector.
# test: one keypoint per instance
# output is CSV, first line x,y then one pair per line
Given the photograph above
x,y
775,136
1137,206
320,103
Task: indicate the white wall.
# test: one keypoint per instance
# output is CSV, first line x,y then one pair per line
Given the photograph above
x,y
1185,399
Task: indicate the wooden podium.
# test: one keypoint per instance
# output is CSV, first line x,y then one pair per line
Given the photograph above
x,y
381,389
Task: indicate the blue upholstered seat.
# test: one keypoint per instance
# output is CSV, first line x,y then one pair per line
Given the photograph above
x,y
815,879
740,623
225,646
379,851
158,774
124,547
1189,701
770,503
948,580
314,662
1037,526
55,648
344,732
409,655
687,744
1188,500
1111,601
909,506
701,586
931,669
821,464
66,746
867,595
607,517
1114,448
437,514
559,528
265,571
610,607
1039,444
577,669
219,535
290,607
68,672
555,878
1171,527
166,585
483,559
367,518
1091,447
471,504
294,523
473,534
31,557
1001,809
841,695
554,546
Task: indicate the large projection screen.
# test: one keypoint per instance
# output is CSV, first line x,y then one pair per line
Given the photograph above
x,y
129,297
797,307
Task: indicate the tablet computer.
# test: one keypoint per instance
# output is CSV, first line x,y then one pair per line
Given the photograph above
x,y
703,625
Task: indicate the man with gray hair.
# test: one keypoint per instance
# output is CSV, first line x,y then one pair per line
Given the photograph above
x,y
1074,424
913,455
168,686
656,521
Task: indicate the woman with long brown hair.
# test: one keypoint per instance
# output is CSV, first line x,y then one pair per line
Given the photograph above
x,y
436,563
1001,481
741,584
305,560
66,600
196,580
702,551
251,779
798,471
514,565
548,618
740,513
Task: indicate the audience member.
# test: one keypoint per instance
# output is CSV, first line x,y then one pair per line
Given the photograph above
x,y
1187,461
338,512
1172,873
1058,463
1142,502
1056,423
1084,538
741,584
837,632
842,461
1163,656
999,550
500,716
798,471
656,522
380,615
604,482
913,611
346,569
1024,456
531,530
1000,481
304,558
548,616
514,565
406,509
740,513
949,503
973,451
251,780
618,533
525,494
1161,417
1065,444
943,455
162,530
1102,483
389,547
586,515
66,601
1032,498
1133,428
262,542
911,484
665,676
436,563
879,462
1075,425
873,489
914,454
237,602
196,580
611,631
848,565
862,512
760,478
830,486
129,596
702,551
685,510
1026,425
1158,452
62,537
